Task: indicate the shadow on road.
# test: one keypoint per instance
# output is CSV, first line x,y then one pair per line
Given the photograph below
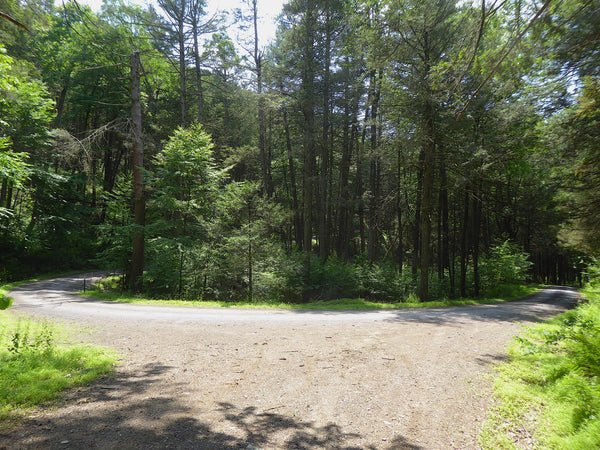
x,y
119,413
537,307
52,295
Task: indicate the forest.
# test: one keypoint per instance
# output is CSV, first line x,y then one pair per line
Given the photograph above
x,y
382,149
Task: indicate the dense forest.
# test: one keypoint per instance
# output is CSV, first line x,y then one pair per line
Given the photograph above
x,y
385,149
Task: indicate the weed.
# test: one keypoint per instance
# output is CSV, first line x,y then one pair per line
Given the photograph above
x,y
34,368
42,342
551,381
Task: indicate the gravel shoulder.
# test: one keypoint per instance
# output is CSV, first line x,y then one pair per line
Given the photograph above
x,y
196,378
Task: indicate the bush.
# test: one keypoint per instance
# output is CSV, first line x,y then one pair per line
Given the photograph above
x,y
504,264
5,301
554,371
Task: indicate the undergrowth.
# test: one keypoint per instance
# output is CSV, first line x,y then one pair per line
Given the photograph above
x,y
110,289
548,394
36,366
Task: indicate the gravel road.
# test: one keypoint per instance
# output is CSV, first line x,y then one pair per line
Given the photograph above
x,y
204,378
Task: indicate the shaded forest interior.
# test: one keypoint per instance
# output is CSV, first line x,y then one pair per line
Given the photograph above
x,y
387,149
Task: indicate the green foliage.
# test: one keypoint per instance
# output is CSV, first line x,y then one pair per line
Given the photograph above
x,y
554,371
5,301
335,278
35,368
185,176
110,289
504,264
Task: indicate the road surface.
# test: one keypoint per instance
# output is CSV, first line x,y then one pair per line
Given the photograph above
x,y
214,378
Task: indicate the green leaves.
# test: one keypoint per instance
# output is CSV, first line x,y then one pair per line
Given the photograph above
x,y
185,179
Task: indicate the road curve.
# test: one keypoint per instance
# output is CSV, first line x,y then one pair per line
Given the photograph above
x,y
207,378
58,297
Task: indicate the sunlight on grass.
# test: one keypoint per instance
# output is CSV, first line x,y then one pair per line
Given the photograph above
x,y
547,395
36,368
108,290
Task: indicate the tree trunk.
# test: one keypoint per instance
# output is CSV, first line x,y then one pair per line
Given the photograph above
x,y
292,169
400,230
444,253
181,42
60,104
343,236
199,87
308,111
137,258
464,246
324,176
3,191
427,202
476,233
374,172
267,188
417,229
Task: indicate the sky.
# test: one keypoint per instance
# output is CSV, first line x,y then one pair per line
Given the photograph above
x,y
267,9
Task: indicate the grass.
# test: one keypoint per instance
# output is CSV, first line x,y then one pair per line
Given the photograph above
x,y
109,290
547,395
37,364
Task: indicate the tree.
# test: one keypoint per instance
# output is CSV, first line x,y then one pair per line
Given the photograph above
x,y
139,201
424,34
183,194
177,12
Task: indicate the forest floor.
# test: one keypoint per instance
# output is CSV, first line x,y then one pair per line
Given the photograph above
x,y
197,378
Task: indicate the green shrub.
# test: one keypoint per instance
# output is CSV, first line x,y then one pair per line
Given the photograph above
x,y
555,371
34,368
5,301
504,264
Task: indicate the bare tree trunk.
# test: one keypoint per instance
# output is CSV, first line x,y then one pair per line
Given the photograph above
x,y
292,169
265,162
343,236
428,174
476,234
400,231
464,246
417,229
182,99
323,181
308,110
427,202
199,87
137,258
374,171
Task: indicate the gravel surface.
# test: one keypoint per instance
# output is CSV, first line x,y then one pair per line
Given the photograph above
x,y
200,378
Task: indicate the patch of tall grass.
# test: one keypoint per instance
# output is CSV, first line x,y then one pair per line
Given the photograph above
x,y
548,394
35,368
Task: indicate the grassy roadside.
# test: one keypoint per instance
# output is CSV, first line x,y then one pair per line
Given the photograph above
x,y
37,363
548,394
108,290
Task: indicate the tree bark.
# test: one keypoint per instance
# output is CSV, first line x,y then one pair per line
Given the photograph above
x,y
464,246
324,176
374,171
297,216
428,172
344,174
308,111
427,201
265,162
476,233
417,224
199,87
137,258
